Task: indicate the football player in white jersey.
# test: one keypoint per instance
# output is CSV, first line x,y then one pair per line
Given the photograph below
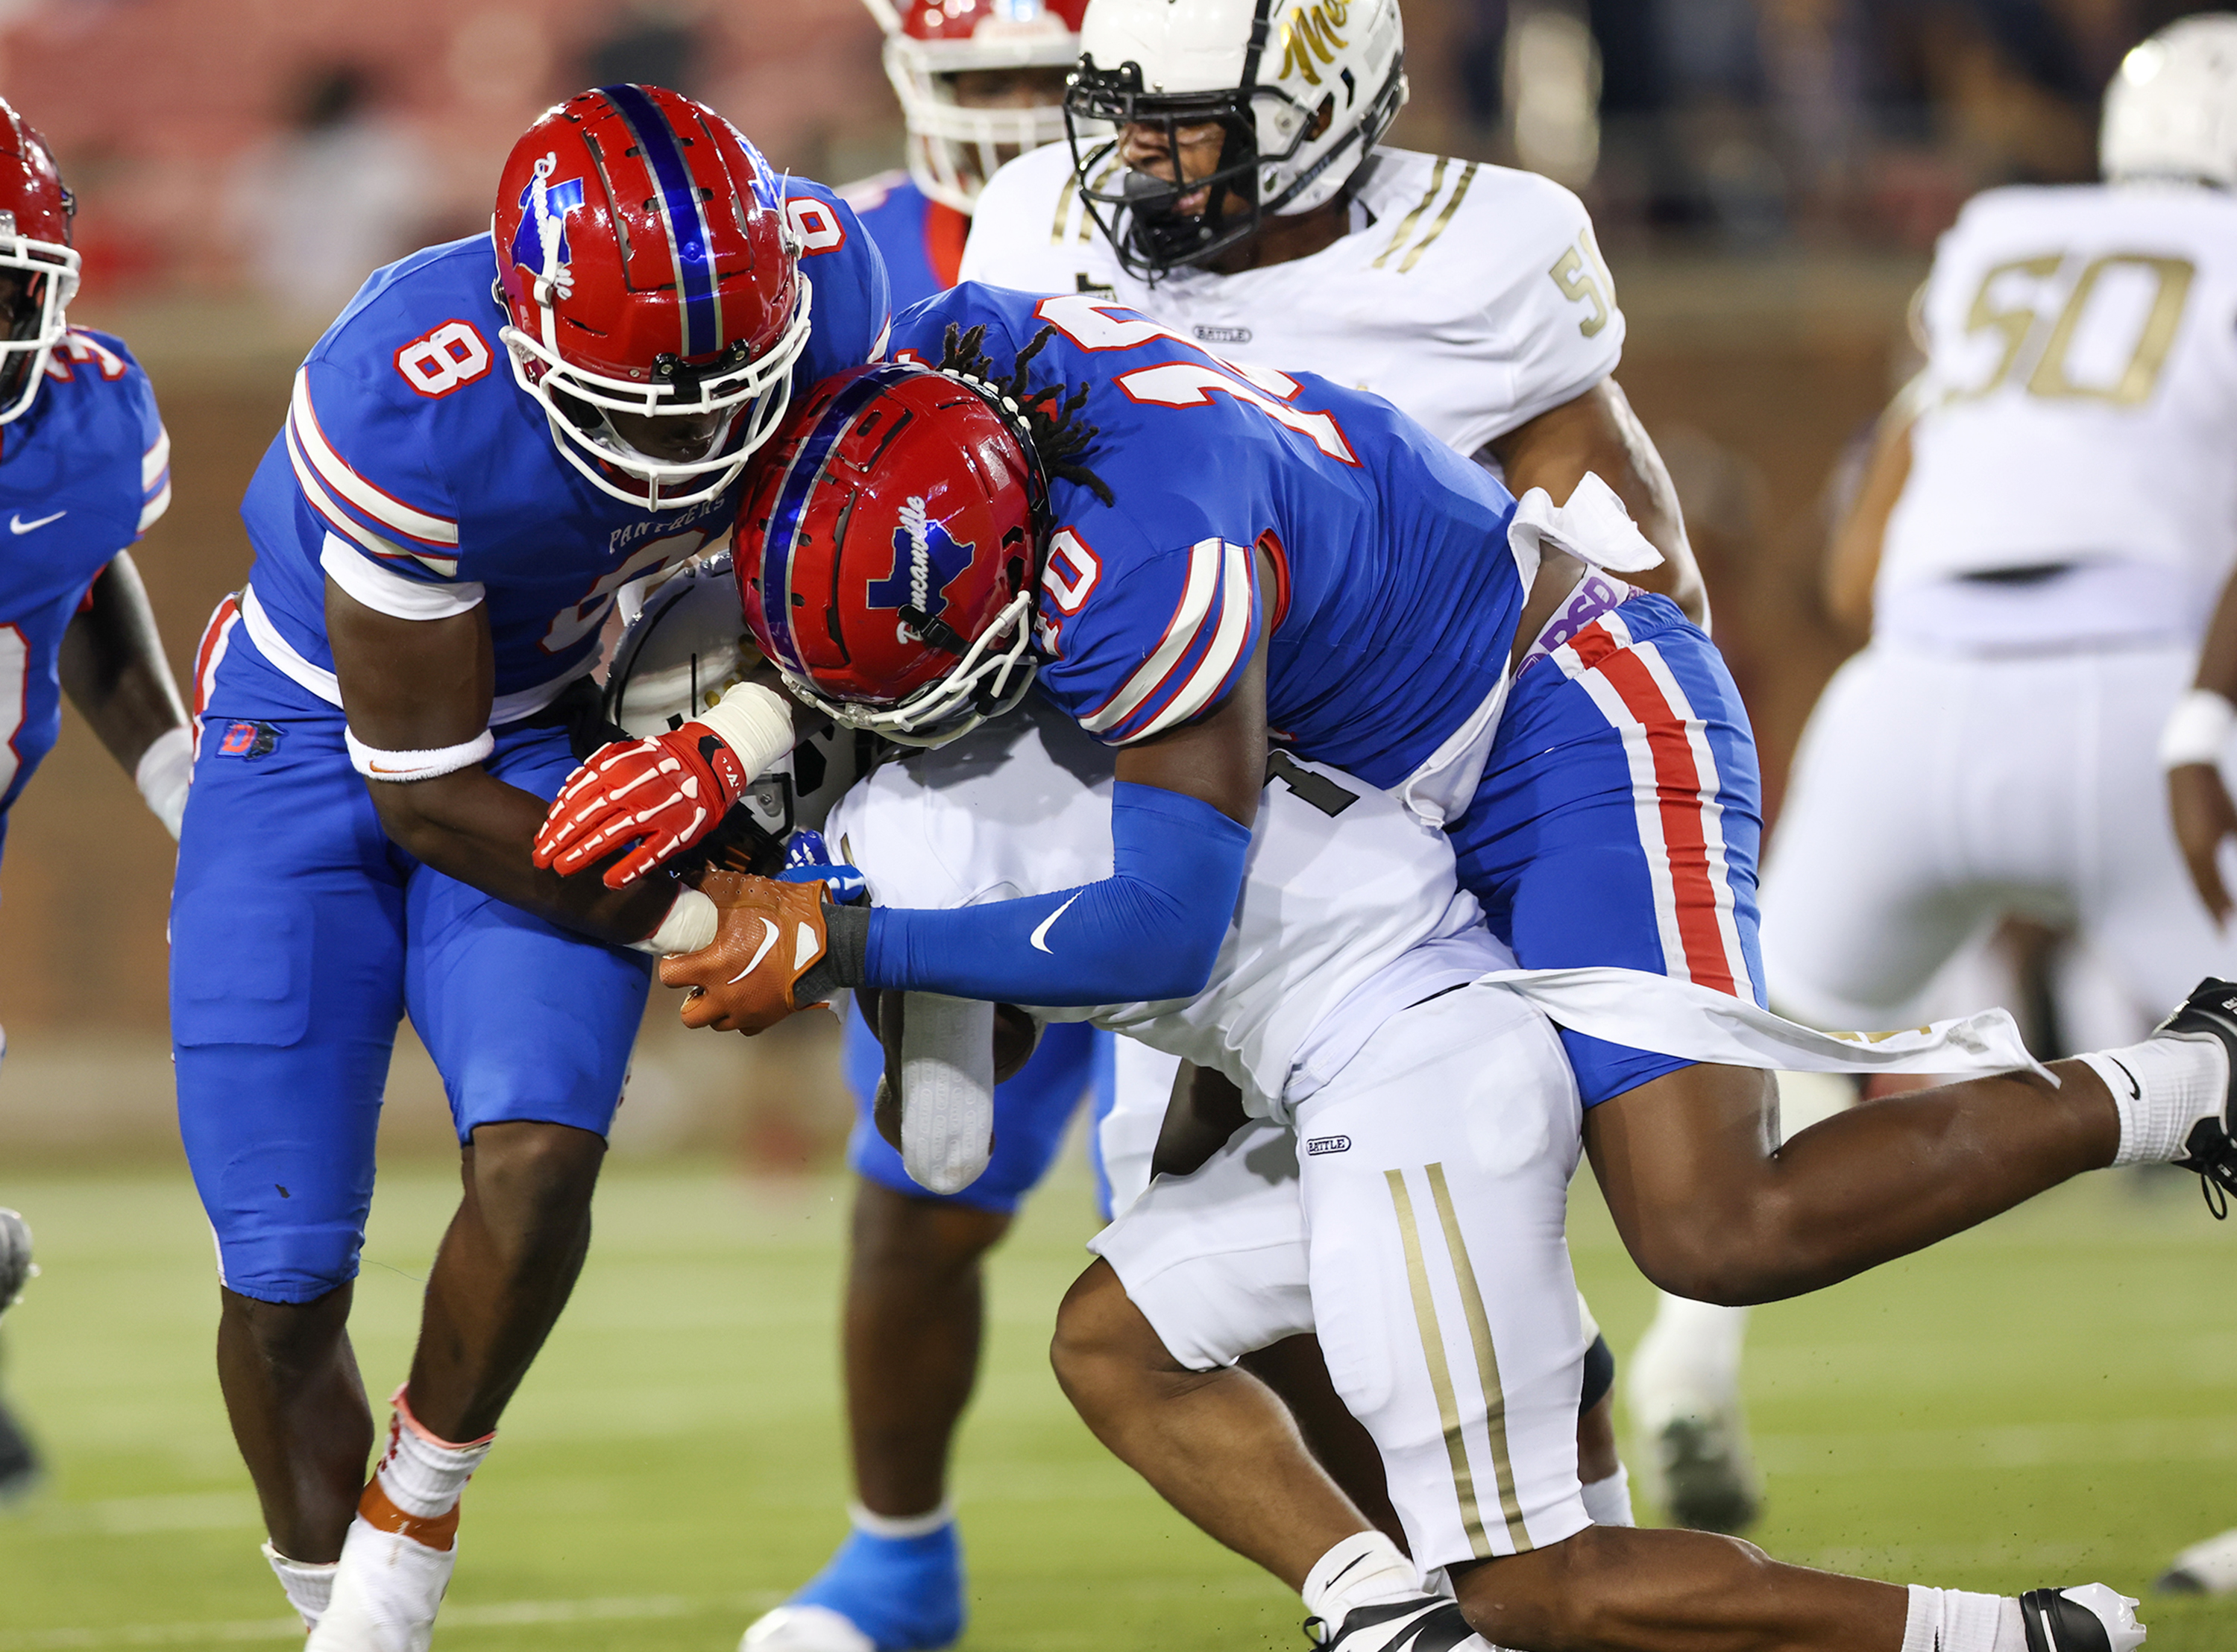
x,y
1472,296
1419,1232
2048,512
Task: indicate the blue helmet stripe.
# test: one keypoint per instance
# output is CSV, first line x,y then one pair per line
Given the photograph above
x,y
800,479
681,212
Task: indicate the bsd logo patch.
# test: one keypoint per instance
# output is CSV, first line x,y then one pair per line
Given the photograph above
x,y
249,740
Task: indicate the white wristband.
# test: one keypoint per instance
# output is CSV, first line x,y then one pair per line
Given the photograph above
x,y
2197,730
691,924
400,767
164,772
755,722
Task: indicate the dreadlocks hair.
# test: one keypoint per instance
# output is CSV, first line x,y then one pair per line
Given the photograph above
x,y
1060,441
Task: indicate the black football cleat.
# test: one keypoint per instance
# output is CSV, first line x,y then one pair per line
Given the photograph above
x,y
2088,1618
2210,1011
20,1471
16,1269
1420,1623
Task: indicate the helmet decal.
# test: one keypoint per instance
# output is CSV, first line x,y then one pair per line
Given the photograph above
x,y
681,213
540,243
926,560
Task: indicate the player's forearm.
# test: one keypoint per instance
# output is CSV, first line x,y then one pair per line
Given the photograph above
x,y
473,826
114,670
2217,656
1599,433
1150,931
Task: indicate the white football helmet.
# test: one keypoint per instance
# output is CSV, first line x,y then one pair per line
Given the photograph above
x,y
2171,111
1304,88
953,147
684,646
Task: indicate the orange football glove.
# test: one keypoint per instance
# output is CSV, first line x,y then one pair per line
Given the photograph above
x,y
768,935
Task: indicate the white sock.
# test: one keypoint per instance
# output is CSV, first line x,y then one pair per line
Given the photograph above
x,y
309,1587
2162,1087
422,1475
1949,1619
896,1527
1608,1502
1366,1568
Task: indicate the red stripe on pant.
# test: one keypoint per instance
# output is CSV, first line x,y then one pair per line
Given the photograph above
x,y
1683,796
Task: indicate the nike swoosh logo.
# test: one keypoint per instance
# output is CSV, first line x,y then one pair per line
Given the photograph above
x,y
1041,935
2136,1091
18,525
769,939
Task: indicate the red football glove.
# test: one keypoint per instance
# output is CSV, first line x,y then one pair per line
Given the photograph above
x,y
664,793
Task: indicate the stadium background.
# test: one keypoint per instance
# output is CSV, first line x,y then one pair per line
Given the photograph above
x,y
1767,177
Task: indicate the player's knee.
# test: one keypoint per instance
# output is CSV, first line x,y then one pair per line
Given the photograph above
x,y
1102,1346
928,1239
531,1180
281,1335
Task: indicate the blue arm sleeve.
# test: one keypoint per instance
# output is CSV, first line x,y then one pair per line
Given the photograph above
x,y
1150,931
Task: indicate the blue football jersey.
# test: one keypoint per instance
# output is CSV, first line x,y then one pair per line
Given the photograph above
x,y
1393,594
920,239
83,473
409,445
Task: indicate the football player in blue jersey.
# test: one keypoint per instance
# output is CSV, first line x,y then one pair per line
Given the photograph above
x,y
979,82
922,546
493,438
85,466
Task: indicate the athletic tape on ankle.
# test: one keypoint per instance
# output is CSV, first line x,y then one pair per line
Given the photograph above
x,y
309,1587
402,768
899,1528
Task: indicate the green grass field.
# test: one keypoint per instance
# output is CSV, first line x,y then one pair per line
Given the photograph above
x,y
2049,1399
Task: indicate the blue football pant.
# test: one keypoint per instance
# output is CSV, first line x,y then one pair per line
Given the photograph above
x,y
1619,820
300,936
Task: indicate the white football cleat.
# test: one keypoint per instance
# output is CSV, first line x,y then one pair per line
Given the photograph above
x,y
805,1629
386,1591
2208,1568
1689,1432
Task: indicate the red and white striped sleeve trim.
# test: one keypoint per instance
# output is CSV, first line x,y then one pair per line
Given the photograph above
x,y
155,479
1211,622
1676,792
336,492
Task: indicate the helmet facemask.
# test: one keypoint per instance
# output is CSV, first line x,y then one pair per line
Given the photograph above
x,y
37,280
1141,214
990,677
578,401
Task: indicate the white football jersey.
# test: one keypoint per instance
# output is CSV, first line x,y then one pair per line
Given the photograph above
x,y
1472,296
1351,908
2080,397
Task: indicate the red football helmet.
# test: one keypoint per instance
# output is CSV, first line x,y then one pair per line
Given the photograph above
x,y
35,240
953,148
889,550
645,257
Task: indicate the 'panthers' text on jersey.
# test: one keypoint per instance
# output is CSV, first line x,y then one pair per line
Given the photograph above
x,y
1348,900
1391,596
2080,400
920,239
416,473
1472,296
82,474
